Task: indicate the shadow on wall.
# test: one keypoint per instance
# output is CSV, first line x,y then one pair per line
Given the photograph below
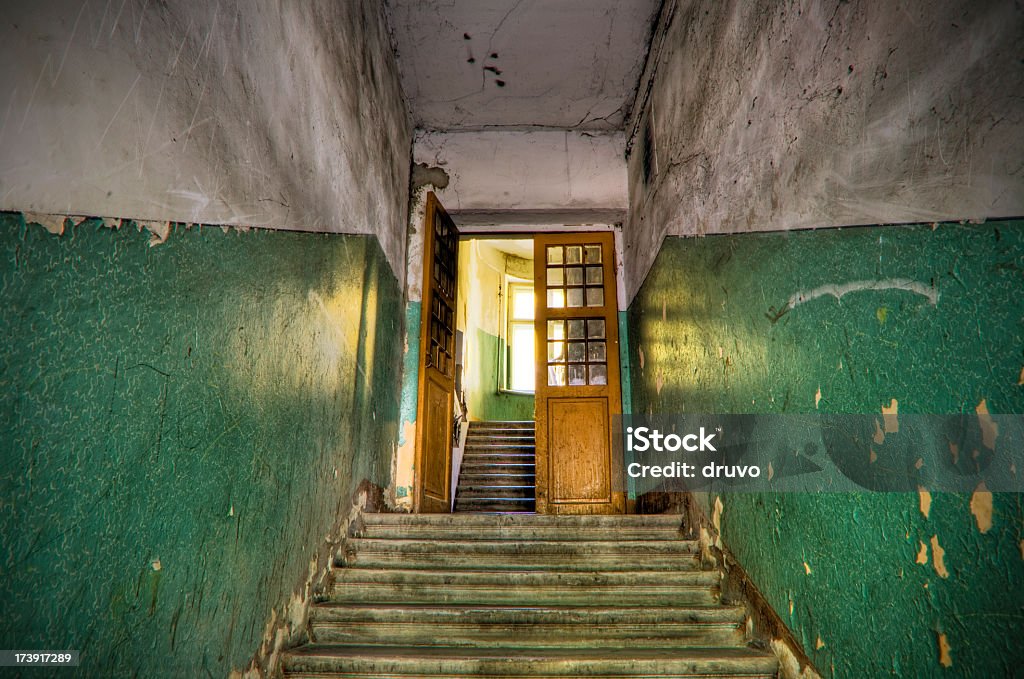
x,y
870,584
182,426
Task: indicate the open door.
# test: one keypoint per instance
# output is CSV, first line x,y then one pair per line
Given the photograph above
x,y
436,401
578,388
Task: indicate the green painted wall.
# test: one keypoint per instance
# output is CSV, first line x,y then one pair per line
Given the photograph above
x,y
210,404
702,341
486,402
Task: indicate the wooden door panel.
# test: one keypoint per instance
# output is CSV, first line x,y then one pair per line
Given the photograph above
x,y
436,397
437,405
577,428
578,389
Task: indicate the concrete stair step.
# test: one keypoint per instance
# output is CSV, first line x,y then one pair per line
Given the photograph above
x,y
495,492
527,588
617,555
461,527
526,505
484,453
533,626
343,662
485,478
509,438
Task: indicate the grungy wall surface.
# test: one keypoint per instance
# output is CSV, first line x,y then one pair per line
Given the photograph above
x,y
527,170
287,115
871,584
182,426
770,116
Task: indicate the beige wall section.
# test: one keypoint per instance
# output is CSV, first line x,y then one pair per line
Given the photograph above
x,y
275,114
527,170
773,116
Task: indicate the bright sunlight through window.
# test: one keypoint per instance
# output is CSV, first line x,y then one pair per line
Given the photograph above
x,y
520,334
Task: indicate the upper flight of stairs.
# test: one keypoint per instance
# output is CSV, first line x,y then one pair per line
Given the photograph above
x,y
497,468
523,595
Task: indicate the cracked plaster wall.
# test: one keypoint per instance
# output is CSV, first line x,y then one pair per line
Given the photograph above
x,y
183,430
856,576
771,116
285,115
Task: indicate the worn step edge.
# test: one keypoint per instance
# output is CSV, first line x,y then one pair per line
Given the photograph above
x,y
529,578
527,615
535,520
645,548
453,662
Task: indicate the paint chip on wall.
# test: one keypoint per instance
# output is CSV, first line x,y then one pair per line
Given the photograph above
x,y
981,507
872,456
819,644
945,658
889,414
817,398
989,428
939,558
925,499
807,568
922,554
1020,380
52,223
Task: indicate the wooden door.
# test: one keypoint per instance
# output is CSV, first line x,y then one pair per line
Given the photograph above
x,y
436,399
578,388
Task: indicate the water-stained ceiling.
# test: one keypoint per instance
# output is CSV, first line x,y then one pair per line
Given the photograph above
x,y
475,64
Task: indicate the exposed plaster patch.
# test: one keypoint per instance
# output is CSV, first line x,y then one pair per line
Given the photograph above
x,y
938,558
789,664
819,644
112,223
159,231
981,507
889,415
771,471
838,291
426,175
157,565
52,223
922,554
989,428
716,517
879,435
817,398
945,658
807,568
925,500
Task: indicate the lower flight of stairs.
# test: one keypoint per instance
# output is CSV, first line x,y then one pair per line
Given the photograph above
x,y
523,595
497,468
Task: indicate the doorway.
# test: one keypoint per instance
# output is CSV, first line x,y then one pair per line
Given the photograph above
x,y
495,312
520,338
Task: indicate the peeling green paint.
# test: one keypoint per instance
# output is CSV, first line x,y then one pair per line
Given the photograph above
x,y
627,389
410,365
181,426
843,568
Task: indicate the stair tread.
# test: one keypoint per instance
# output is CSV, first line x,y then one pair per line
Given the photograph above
x,y
537,662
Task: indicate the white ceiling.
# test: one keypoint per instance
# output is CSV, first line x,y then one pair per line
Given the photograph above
x,y
471,64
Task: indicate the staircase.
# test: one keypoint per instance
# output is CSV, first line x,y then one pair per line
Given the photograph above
x,y
523,595
497,468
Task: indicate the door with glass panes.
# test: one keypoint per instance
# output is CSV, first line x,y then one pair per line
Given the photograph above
x,y
577,389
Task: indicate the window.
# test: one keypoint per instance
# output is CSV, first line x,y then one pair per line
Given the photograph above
x,y
521,366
